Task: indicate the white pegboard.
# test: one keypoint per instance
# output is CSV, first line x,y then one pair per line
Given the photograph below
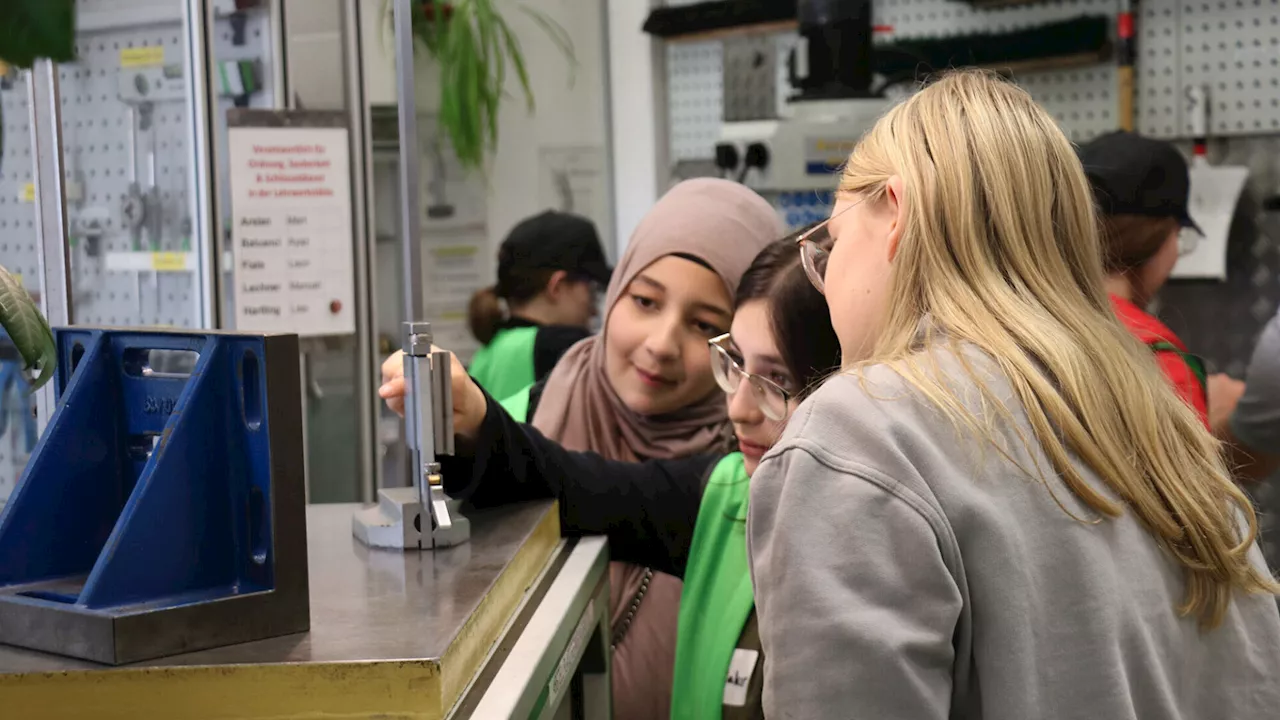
x,y
1083,100
1156,74
18,250
96,145
1233,48
694,98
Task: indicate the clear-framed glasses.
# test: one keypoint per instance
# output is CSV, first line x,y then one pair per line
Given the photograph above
x,y
1188,241
812,256
768,395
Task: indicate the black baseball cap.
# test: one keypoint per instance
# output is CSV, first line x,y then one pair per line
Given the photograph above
x,y
1135,175
553,241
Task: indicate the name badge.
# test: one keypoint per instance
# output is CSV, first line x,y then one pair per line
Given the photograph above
x,y
741,668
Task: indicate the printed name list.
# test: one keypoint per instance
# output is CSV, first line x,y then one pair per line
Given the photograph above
x,y
292,233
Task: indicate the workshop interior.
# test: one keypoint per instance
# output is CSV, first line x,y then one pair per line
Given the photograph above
x,y
231,212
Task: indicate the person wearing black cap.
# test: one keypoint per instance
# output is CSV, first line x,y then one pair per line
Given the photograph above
x,y
550,269
1141,186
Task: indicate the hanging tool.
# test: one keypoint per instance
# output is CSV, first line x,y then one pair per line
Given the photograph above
x,y
1213,196
1126,52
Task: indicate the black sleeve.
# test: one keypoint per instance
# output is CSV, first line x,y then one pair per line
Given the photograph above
x,y
550,343
647,510
535,397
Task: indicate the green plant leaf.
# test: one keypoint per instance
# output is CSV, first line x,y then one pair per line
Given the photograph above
x,y
32,29
27,328
517,59
473,48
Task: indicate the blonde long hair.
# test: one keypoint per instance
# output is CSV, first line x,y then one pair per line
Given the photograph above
x,y
1000,248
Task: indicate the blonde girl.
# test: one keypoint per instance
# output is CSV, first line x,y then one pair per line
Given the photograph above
x,y
1001,509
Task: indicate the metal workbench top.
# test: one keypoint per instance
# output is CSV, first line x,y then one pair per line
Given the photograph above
x,y
391,632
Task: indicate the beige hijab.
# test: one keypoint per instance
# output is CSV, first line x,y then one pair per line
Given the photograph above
x,y
724,225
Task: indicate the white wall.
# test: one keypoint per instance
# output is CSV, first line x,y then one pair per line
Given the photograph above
x,y
314,37
565,114
637,114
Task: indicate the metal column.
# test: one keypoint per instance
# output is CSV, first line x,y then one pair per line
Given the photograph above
x,y
51,208
362,219
410,176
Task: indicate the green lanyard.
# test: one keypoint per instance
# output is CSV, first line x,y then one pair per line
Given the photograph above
x,y
1193,361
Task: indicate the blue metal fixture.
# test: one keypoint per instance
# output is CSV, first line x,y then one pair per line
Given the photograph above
x,y
163,510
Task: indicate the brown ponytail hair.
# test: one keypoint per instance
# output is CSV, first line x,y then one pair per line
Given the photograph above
x,y
484,314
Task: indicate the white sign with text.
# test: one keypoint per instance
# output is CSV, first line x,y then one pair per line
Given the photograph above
x,y
291,230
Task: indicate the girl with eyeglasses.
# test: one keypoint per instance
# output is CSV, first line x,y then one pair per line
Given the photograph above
x,y
682,516
644,389
999,509
1141,186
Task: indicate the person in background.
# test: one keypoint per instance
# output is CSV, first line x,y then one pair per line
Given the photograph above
x,y
1000,509
683,516
1141,186
549,269
643,388
1245,416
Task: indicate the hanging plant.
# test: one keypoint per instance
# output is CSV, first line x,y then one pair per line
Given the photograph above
x,y
29,30
473,45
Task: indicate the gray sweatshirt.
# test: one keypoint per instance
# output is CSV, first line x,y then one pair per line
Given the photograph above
x,y
904,569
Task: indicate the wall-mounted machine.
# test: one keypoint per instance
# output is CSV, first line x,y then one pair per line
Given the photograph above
x,y
832,73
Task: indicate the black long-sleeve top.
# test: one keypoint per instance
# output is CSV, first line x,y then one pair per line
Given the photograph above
x,y
647,510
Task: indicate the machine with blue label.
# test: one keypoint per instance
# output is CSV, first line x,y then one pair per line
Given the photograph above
x,y
163,509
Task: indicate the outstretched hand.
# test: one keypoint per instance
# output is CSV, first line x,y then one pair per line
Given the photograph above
x,y
468,399
1224,393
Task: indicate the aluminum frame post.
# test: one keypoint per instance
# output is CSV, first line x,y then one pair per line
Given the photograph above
x,y
51,209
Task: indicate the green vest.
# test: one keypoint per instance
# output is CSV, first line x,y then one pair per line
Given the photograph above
x,y
517,406
506,364
717,599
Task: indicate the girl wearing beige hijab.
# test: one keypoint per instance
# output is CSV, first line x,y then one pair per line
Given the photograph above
x,y
644,389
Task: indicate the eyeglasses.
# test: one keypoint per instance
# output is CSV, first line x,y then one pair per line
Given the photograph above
x,y
814,258
769,396
1188,241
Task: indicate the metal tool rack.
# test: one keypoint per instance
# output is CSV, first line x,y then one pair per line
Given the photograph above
x,y
136,165
1231,45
